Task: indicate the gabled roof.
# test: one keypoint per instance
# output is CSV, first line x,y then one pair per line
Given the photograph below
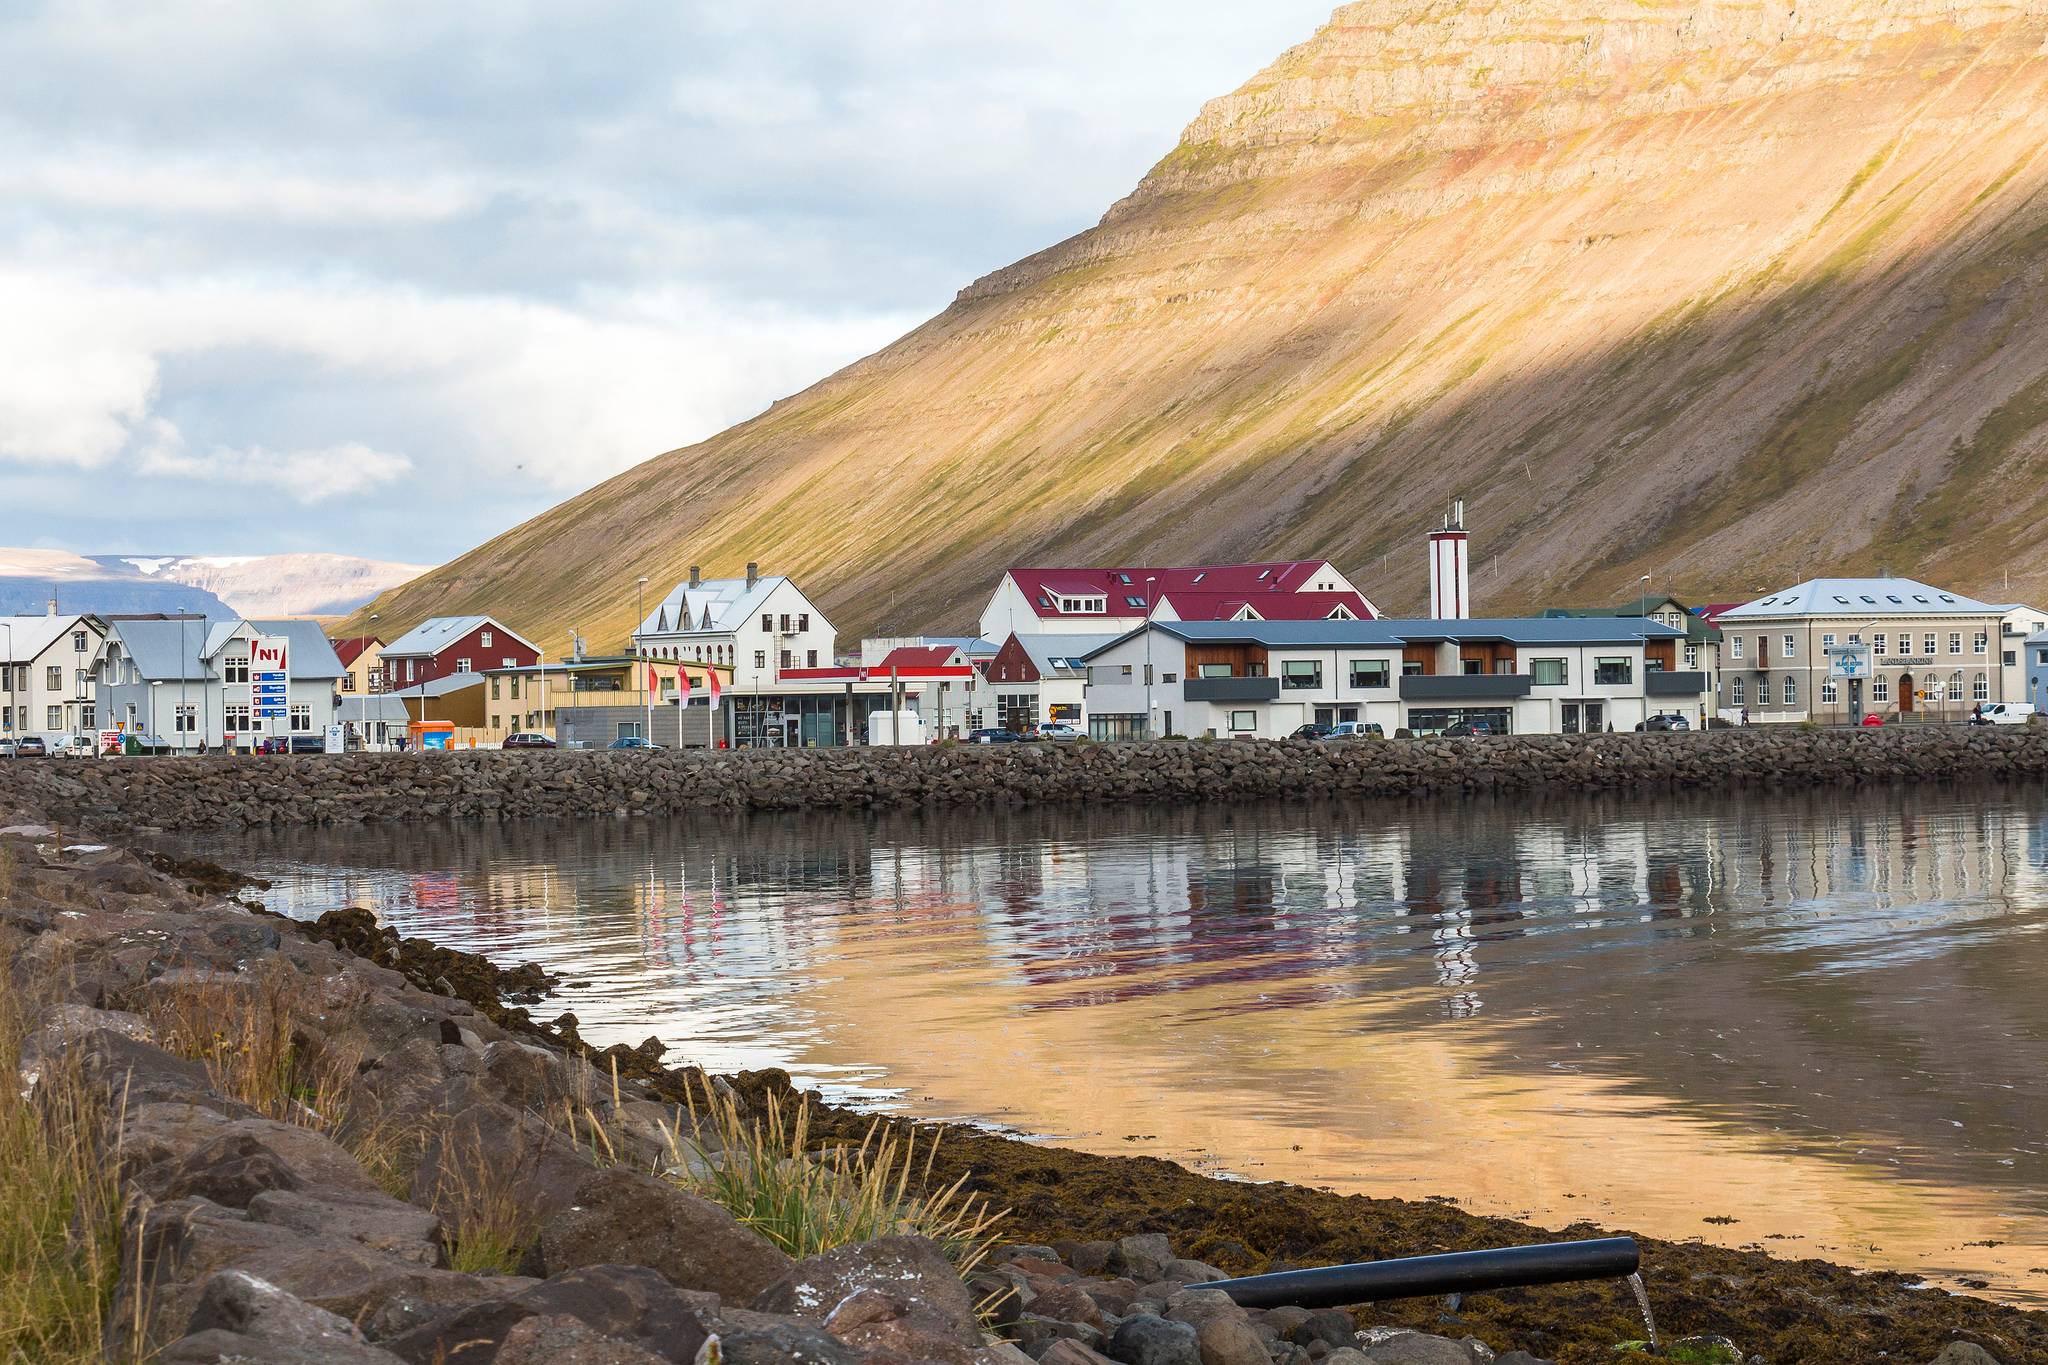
x,y
1056,653
1127,591
23,638
166,651
1386,633
1270,606
1698,629
1858,597
716,606
350,649
437,633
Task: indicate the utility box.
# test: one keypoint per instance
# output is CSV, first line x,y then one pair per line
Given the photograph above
x,y
895,727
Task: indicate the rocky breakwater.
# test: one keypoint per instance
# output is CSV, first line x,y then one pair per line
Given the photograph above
x,y
192,793
312,1158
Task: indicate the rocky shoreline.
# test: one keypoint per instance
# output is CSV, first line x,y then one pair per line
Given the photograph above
x,y
224,792
258,1233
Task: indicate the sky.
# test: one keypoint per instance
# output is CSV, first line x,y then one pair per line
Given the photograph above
x,y
385,278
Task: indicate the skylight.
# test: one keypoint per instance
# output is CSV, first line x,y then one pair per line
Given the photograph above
x,y
1123,578
1264,574
1946,598
1917,597
1130,601
1843,600
1868,598
1200,576
1894,597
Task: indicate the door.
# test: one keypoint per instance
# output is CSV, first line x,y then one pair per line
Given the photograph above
x,y
1326,715
1906,697
1569,722
1596,717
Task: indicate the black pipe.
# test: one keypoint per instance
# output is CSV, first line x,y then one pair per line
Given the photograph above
x,y
1456,1272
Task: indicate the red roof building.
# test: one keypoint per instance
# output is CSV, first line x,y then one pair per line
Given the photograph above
x,y
1110,601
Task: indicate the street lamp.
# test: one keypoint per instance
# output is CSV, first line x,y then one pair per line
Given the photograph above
x,y
1150,597
7,663
640,619
367,689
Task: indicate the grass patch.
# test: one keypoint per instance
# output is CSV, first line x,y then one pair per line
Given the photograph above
x,y
60,1207
245,1031
762,1170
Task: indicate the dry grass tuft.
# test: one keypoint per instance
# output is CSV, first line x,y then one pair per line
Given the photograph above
x,y
481,1200
60,1205
762,1169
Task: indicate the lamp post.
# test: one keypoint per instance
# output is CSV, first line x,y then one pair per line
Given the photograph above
x,y
1150,596
7,663
367,689
639,619
184,696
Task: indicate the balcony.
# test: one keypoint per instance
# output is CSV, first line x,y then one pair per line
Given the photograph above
x,y
1464,686
1231,689
1663,683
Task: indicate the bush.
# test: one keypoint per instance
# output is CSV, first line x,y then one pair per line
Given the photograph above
x,y
763,1171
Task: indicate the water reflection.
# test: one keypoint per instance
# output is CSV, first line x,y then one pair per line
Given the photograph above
x,y
1819,1014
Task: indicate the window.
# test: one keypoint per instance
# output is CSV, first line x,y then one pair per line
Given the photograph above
x,y
787,660
1131,601
235,720
1735,691
1207,671
803,620
78,642
767,624
301,718
484,640
1169,677
1855,639
1735,646
1981,642
1301,673
1411,668
1827,641
53,717
408,671
513,690
237,670
1791,645
2010,658
1829,694
348,682
1613,672
186,721
1980,690
53,677
810,658
1878,643
760,658
464,666
508,662
1927,643
1550,672
1243,722
1955,642
1692,656
87,719
1880,690
785,623
495,693
1370,673
1791,690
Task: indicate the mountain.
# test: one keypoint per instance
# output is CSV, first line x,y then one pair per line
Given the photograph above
x,y
1724,294
218,585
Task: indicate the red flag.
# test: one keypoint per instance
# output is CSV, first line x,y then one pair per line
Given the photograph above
x,y
653,679
683,686
712,677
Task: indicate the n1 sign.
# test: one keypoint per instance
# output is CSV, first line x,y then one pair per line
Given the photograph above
x,y
269,654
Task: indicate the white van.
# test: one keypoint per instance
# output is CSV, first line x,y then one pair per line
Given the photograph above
x,y
2004,713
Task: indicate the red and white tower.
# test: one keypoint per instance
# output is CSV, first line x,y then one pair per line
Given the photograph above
x,y
1450,581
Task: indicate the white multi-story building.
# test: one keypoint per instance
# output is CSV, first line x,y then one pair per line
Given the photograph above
x,y
1266,679
185,684
48,663
760,627
1110,601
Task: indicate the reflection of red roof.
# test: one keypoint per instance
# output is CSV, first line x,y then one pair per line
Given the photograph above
x,y
1127,591
351,649
916,658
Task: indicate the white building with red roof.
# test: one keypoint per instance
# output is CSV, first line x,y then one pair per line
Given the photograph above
x,y
1110,601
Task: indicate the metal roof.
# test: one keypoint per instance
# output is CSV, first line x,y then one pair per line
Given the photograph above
x,y
716,606
23,638
436,633
180,650
1058,652
1859,597
1392,633
1205,589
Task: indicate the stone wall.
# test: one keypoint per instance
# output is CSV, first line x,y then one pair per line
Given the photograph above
x,y
222,791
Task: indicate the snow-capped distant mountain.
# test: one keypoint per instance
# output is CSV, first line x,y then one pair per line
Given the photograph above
x,y
217,585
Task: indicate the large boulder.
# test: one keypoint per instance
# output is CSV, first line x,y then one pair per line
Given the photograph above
x,y
911,1270
624,1217
565,1341
1144,1339
240,1317
1223,1330
629,1303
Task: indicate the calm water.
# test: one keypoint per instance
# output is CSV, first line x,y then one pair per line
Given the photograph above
x,y
1823,1016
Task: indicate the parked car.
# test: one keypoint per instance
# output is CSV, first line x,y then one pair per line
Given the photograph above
x,y
31,746
1664,722
293,744
633,742
1054,729
2003,713
1315,731
1466,729
6,748
78,746
1356,729
528,740
992,737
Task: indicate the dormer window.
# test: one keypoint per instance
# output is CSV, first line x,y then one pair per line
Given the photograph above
x,y
1084,605
1342,613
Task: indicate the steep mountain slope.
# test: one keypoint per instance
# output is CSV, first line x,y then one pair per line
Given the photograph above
x,y
1726,293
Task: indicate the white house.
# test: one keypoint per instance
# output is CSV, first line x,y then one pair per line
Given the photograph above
x,y
186,683
760,626
1265,679
46,666
1035,678
1110,601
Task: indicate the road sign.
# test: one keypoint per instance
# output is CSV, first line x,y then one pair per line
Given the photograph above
x,y
1848,661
